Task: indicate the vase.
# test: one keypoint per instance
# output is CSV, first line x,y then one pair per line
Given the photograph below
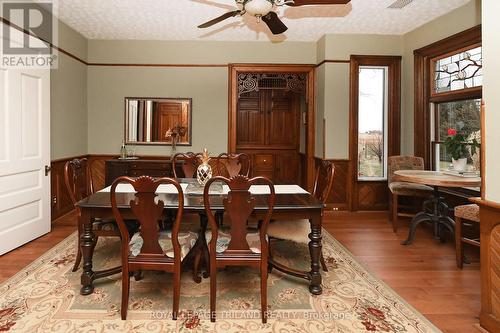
x,y
203,173
460,164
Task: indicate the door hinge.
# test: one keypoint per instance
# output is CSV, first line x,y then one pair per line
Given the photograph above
x,y
47,170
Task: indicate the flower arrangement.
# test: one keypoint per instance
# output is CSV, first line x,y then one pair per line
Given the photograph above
x,y
456,145
175,133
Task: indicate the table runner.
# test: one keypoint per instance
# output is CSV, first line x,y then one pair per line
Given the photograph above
x,y
254,189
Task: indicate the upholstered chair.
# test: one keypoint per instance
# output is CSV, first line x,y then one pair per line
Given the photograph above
x,y
240,245
150,248
469,213
78,181
398,188
298,230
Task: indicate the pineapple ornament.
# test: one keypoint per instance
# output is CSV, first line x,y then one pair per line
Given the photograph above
x,y
204,171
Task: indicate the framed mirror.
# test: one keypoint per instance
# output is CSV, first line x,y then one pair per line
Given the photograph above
x,y
158,121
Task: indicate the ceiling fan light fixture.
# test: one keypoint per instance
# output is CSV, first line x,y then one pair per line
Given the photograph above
x,y
258,7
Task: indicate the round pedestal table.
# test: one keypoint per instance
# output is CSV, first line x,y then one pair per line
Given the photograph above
x,y
435,208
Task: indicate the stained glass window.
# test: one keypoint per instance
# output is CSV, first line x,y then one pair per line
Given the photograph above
x,y
459,71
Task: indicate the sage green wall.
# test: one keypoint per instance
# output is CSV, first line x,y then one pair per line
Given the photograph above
x,y
108,86
68,97
333,85
460,19
333,78
208,87
200,52
491,96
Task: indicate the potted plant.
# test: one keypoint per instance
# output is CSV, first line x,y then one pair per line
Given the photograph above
x,y
456,145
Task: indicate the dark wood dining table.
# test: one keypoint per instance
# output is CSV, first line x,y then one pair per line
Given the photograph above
x,y
287,206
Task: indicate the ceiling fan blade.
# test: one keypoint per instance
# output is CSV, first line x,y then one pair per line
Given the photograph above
x,y
220,19
318,2
274,23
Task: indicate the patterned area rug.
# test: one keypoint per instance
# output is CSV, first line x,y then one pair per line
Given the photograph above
x,y
44,297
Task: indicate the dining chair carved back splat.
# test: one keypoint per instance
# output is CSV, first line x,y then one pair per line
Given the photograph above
x,y
241,247
190,162
150,248
231,165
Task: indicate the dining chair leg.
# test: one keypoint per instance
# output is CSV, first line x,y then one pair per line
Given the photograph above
x,y
323,262
213,290
78,258
125,291
458,242
196,266
270,255
138,275
394,212
95,241
263,291
177,293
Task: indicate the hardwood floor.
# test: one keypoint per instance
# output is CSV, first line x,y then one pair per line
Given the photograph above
x,y
13,261
424,273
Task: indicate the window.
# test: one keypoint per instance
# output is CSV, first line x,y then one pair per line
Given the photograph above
x,y
458,71
446,71
464,115
456,103
372,123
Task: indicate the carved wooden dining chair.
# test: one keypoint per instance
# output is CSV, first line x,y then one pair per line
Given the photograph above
x,y
150,248
239,246
230,165
190,162
399,189
78,180
298,230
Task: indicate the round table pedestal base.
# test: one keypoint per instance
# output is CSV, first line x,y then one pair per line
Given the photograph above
x,y
436,212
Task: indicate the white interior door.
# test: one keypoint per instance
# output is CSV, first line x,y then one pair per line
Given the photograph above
x,y
24,153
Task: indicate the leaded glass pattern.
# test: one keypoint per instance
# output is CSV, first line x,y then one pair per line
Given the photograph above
x,y
460,71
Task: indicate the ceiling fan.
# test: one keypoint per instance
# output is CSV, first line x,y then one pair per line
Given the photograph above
x,y
263,10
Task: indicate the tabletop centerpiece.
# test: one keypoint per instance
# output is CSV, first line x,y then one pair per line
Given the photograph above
x,y
204,171
456,145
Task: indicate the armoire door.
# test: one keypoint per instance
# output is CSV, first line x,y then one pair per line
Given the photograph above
x,y
251,120
268,130
283,118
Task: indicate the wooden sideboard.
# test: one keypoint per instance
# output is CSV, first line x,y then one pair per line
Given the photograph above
x,y
115,168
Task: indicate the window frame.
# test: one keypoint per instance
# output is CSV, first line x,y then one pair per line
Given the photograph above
x,y
453,95
423,99
372,195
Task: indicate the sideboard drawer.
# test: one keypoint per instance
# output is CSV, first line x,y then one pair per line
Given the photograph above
x,y
150,172
136,168
264,162
150,166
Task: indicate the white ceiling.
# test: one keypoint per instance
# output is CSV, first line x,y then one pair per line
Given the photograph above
x,y
178,19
